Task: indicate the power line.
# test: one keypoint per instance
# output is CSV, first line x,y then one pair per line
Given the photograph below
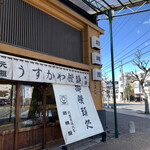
x,y
134,42
128,53
127,62
120,27
114,32
119,20
128,32
108,66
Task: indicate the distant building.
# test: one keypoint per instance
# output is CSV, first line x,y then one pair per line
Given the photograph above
x,y
108,90
122,84
136,86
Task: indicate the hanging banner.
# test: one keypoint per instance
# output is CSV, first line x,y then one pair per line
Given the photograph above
x,y
61,75
36,72
49,74
5,68
20,70
15,68
77,114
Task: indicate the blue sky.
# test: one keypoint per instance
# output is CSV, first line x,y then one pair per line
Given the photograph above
x,y
130,33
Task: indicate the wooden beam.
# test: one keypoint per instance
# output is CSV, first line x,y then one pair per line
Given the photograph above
x,y
17,115
44,116
13,50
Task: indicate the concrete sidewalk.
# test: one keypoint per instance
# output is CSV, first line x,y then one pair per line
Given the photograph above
x,y
140,140
85,144
126,141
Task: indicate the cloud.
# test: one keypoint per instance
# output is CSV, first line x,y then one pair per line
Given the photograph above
x,y
138,31
147,22
147,44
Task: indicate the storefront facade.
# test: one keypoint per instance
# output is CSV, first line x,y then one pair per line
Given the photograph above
x,y
41,32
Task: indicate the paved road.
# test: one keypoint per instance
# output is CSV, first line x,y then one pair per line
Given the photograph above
x,y
135,106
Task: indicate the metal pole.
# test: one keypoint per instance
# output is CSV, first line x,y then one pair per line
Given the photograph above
x,y
113,77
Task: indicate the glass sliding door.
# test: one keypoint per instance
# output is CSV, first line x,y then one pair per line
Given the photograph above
x,y
7,106
7,116
31,105
30,116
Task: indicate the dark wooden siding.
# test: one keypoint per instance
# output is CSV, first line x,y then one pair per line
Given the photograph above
x,y
23,25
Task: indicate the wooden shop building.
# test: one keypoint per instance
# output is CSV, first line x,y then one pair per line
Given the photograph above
x,y
43,42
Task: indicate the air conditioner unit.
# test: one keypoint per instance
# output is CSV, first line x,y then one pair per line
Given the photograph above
x,y
97,74
96,58
95,43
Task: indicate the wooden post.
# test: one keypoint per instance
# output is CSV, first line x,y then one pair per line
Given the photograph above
x,y
17,115
44,116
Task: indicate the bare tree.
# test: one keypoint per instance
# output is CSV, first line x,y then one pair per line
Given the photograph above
x,y
141,77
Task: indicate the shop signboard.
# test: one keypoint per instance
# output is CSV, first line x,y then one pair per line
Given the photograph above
x,y
77,114
96,58
97,74
95,43
28,91
16,68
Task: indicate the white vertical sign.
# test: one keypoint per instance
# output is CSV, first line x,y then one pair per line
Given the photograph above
x,y
77,114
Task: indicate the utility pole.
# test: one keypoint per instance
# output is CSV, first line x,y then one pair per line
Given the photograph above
x,y
122,77
110,18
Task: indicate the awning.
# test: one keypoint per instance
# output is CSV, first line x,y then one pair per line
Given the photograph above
x,y
100,6
77,114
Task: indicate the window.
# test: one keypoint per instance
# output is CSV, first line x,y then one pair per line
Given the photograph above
x,y
7,106
136,85
31,105
51,110
121,85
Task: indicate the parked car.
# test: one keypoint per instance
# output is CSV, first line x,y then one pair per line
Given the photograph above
x,y
138,99
2,102
7,102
